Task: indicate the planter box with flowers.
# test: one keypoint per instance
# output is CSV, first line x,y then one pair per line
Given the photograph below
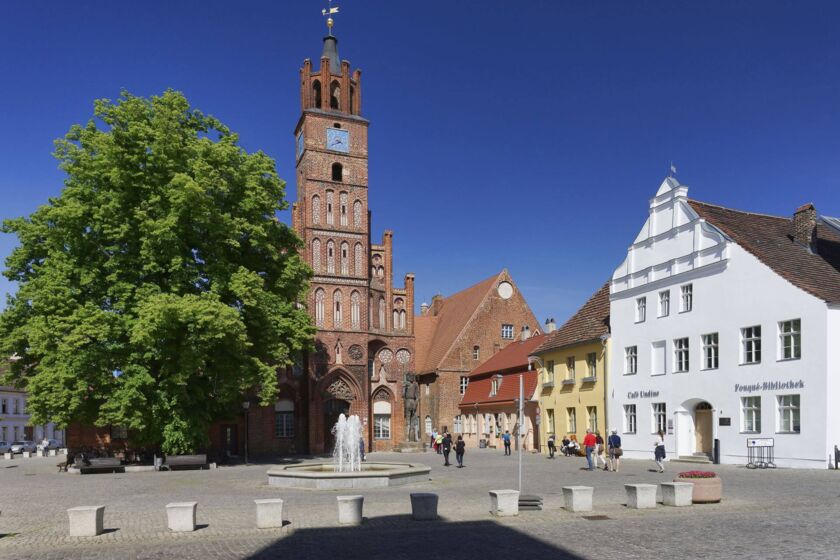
x,y
708,488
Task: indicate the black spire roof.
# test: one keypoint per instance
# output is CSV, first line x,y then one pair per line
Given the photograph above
x,y
331,51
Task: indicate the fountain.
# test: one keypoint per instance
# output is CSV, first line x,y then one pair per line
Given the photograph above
x,y
346,469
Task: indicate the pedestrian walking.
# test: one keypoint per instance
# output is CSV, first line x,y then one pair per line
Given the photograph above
x,y
551,446
506,441
659,451
460,446
446,446
600,452
614,450
434,439
589,444
439,443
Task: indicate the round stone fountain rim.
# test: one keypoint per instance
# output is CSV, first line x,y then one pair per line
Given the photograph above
x,y
385,474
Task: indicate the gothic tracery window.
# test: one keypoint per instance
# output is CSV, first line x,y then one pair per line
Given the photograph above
x,y
355,312
330,208
316,255
381,313
342,198
330,256
316,209
319,307
337,315
345,258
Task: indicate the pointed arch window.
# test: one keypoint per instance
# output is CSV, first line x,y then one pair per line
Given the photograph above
x,y
319,307
357,259
357,214
352,99
316,255
329,208
337,172
316,93
355,312
337,316
335,95
382,313
316,209
402,319
342,208
396,318
345,258
331,257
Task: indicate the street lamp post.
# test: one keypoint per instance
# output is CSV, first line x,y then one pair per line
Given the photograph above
x,y
245,406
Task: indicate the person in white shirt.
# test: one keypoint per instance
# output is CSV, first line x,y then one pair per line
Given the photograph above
x,y
659,451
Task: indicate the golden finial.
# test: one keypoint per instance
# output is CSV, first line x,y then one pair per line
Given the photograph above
x,y
328,12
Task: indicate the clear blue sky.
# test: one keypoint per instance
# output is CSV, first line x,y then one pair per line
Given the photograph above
x,y
528,135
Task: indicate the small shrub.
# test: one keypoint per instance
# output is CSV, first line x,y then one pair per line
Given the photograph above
x,y
697,474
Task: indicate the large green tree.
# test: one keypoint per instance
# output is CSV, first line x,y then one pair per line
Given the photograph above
x,y
160,285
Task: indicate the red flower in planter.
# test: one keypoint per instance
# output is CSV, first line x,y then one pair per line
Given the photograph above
x,y
697,474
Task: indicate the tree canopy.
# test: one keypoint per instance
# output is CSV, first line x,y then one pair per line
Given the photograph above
x,y
159,286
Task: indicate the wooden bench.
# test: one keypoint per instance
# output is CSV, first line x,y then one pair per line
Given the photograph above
x,y
186,462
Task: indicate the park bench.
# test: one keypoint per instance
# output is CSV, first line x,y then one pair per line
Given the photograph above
x,y
102,464
186,462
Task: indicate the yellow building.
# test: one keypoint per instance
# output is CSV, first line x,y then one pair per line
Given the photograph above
x,y
573,365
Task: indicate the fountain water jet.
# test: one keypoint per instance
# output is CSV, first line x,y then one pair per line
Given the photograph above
x,y
347,453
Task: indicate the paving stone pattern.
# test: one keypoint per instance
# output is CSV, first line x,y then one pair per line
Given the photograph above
x,y
765,514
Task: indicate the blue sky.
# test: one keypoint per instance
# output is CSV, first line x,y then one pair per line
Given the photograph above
x,y
526,135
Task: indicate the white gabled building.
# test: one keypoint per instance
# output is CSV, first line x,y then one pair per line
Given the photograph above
x,y
726,326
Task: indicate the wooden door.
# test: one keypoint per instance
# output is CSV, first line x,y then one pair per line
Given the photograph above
x,y
703,430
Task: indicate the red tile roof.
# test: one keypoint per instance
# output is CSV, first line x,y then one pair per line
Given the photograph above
x,y
514,355
770,240
434,335
478,390
590,322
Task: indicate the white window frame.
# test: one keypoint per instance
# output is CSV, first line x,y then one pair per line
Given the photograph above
x,y
789,412
507,332
549,413
629,419
682,358
641,309
631,360
751,415
711,351
494,386
381,426
658,348
751,345
592,418
790,339
592,364
664,303
686,298
476,352
549,371
570,368
462,384
571,420
659,417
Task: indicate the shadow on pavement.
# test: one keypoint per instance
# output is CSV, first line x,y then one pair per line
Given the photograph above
x,y
390,538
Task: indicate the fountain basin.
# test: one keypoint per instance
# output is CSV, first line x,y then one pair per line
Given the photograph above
x,y
322,476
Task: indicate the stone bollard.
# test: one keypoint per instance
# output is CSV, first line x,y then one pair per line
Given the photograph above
x,y
504,503
53,452
424,506
180,516
641,496
63,451
26,454
677,494
8,455
269,513
350,509
578,498
86,521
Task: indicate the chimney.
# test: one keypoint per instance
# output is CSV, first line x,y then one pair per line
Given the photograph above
x,y
424,308
805,226
526,333
550,325
437,304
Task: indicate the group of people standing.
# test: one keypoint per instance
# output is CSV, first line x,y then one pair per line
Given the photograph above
x,y
442,444
607,453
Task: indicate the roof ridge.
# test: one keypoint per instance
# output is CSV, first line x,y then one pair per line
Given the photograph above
x,y
695,201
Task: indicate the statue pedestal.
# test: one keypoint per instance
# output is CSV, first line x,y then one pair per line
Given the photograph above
x,y
410,447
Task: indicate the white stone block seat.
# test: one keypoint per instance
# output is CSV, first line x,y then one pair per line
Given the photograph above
x,y
578,498
180,516
641,496
269,513
677,494
350,509
86,521
424,506
504,503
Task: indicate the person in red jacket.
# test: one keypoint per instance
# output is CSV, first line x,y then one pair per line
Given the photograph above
x,y
589,443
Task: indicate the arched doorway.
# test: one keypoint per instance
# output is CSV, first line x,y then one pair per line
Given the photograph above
x,y
703,428
333,408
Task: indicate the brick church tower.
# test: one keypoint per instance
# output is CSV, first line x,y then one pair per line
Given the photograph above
x,y
365,324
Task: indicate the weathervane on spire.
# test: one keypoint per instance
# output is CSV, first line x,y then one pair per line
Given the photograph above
x,y
328,12
673,169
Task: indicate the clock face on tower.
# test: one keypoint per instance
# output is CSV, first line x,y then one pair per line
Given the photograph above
x,y
338,140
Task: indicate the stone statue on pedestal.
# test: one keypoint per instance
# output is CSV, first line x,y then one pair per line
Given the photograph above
x,y
411,397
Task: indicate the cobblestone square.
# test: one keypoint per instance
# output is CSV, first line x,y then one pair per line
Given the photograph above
x,y
765,514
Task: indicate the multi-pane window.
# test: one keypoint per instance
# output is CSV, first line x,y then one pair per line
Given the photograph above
x,y
464,382
592,418
342,198
751,345
631,360
629,418
664,303
641,309
382,426
119,432
686,298
710,351
788,413
591,363
680,354
570,368
459,428
571,421
494,386
751,414
476,352
550,415
659,419
790,339
507,332
549,371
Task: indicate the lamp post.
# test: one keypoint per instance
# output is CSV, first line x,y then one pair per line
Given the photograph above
x,y
245,406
